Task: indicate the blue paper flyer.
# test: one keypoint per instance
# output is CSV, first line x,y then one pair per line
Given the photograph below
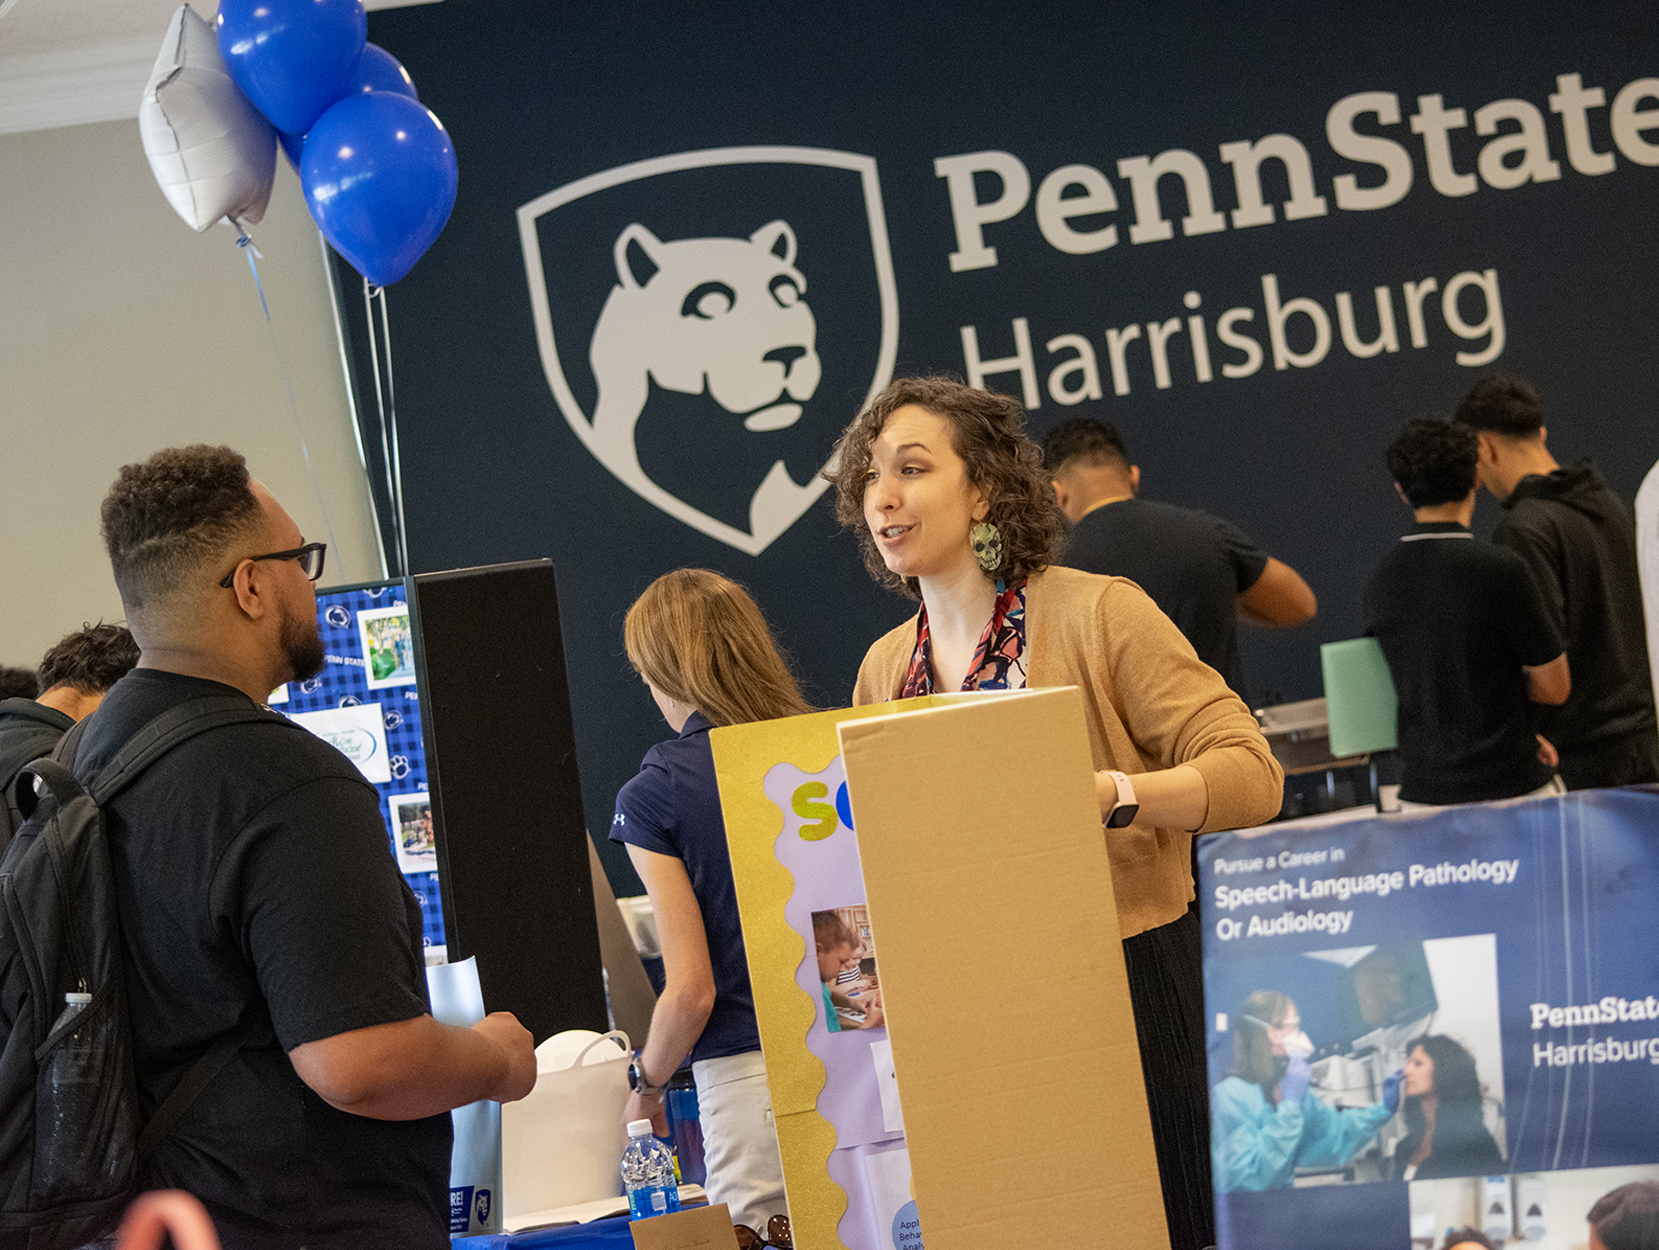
x,y
1431,1021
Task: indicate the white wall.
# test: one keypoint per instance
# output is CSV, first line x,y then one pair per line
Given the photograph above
x,y
121,332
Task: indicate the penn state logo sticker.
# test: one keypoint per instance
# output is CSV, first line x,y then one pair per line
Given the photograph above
x,y
708,322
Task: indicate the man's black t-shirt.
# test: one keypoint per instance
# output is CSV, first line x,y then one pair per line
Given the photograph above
x,y
1193,565
255,882
1456,620
1579,540
28,730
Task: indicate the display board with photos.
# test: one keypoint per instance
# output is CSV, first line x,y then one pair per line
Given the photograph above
x,y
366,702
1498,957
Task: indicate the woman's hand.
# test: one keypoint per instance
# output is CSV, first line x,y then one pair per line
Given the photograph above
x,y
1171,798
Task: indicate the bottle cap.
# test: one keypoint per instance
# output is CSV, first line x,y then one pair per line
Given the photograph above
x,y
73,997
639,1128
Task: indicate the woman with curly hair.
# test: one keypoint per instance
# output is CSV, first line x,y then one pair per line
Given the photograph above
x,y
951,506
1445,1133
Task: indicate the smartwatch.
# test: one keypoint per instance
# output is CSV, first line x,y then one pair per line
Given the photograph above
x,y
640,1083
1126,808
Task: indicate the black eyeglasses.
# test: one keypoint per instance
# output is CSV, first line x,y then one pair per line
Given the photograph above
x,y
310,559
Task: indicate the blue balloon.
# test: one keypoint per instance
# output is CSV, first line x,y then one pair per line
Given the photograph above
x,y
379,176
291,147
379,70
292,58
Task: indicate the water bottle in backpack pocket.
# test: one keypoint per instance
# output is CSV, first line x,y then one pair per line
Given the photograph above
x,y
84,1129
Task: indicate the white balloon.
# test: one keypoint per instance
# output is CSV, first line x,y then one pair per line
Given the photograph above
x,y
212,152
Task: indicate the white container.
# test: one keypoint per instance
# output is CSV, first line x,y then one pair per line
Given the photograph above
x,y
563,1144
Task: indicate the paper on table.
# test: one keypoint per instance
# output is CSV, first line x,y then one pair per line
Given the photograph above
x,y
475,1160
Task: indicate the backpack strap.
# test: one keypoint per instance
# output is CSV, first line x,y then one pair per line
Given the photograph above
x,y
175,725
195,1082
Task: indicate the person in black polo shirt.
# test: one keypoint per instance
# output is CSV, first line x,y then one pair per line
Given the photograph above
x,y
1579,540
72,679
1468,639
1204,573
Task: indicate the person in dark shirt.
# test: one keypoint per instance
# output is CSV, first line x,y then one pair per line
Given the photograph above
x,y
1579,540
1465,632
703,649
72,679
17,683
1204,573
259,899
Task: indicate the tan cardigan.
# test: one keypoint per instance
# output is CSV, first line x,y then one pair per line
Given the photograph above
x,y
1150,703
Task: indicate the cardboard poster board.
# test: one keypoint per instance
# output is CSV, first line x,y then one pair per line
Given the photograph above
x,y
989,902
1519,938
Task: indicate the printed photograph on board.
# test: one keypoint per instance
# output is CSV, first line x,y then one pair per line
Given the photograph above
x,y
1391,1053
1606,1208
388,646
846,969
417,849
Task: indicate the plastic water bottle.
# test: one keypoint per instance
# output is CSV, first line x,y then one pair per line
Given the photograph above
x,y
648,1174
71,1090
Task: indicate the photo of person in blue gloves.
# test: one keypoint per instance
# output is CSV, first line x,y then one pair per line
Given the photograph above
x,y
1265,1123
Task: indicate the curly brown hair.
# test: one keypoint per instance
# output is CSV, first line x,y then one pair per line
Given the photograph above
x,y
90,660
988,432
164,518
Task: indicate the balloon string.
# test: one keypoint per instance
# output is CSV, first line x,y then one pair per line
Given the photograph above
x,y
250,251
388,420
351,404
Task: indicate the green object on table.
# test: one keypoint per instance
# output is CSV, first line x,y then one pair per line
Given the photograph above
x,y
1359,697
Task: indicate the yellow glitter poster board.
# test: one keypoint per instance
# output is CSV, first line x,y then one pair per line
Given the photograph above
x,y
828,1062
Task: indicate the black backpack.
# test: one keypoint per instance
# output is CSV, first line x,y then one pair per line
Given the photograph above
x,y
70,1136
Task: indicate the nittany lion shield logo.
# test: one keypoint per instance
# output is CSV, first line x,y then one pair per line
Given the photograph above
x,y
710,321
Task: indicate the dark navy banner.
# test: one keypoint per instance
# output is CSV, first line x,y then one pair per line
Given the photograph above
x,y
691,240
1502,959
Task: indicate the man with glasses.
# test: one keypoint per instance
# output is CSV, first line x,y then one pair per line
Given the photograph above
x,y
259,898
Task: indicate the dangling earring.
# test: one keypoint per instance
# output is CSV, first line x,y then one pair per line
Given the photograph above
x,y
986,540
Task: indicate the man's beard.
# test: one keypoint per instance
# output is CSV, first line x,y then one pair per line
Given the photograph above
x,y
301,642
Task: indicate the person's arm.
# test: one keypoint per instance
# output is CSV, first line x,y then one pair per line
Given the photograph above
x,y
1172,798
1549,683
1217,771
418,1067
687,995
1278,598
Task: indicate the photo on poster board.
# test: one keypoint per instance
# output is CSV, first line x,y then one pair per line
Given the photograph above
x,y
1422,1012
417,848
357,731
852,998
388,646
1542,1210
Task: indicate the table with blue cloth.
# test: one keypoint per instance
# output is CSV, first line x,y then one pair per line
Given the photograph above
x,y
595,1235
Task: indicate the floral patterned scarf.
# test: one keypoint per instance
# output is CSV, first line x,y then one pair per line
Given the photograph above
x,y
999,661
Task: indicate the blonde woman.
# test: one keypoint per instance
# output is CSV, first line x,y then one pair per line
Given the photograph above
x,y
705,653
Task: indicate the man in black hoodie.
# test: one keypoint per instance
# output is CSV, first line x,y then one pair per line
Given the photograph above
x,y
1579,540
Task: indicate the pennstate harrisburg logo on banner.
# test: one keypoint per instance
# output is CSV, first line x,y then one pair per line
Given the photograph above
x,y
710,321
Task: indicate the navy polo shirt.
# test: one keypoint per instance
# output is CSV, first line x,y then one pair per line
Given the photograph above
x,y
673,808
